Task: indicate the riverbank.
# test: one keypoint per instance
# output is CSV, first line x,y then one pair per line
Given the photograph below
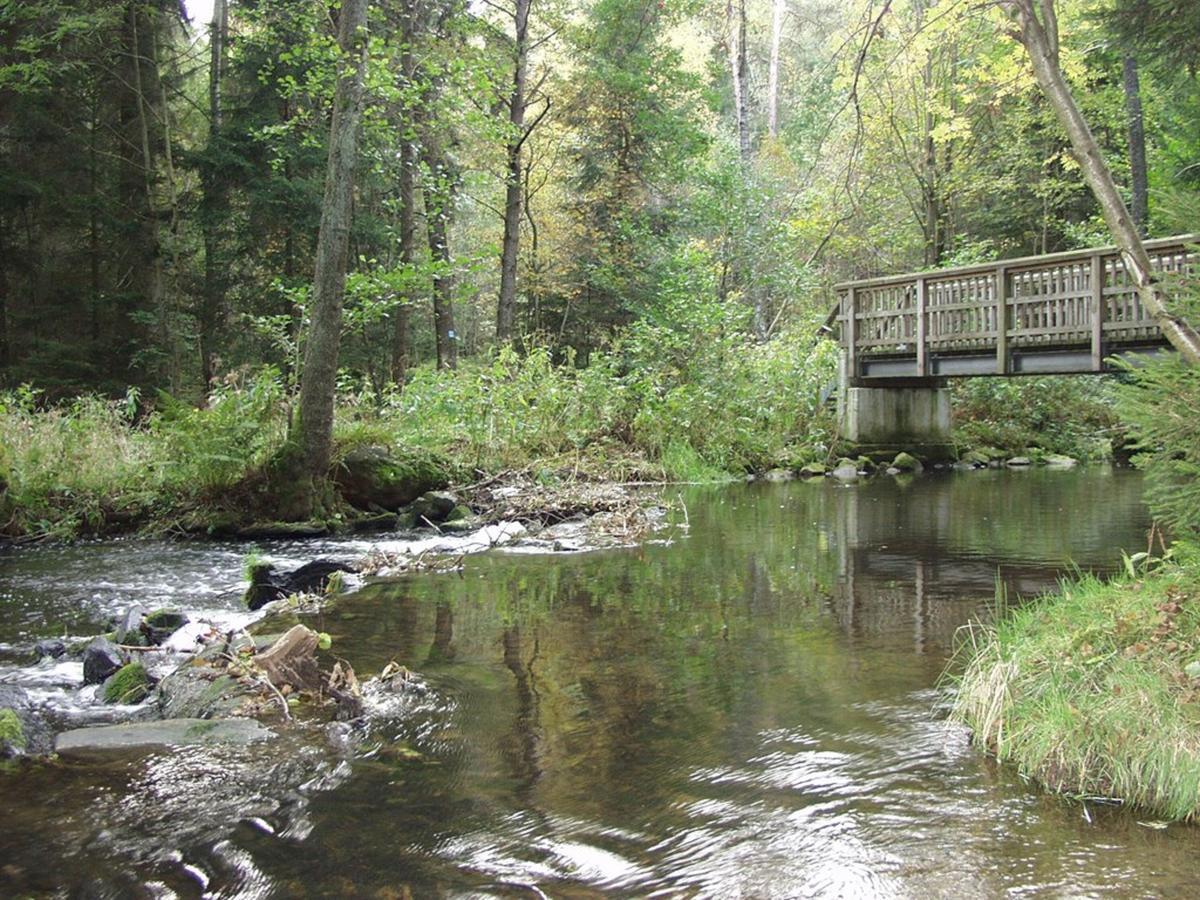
x,y
1094,692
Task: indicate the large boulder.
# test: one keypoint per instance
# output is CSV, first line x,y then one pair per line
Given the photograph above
x,y
12,734
434,507
373,478
198,691
130,736
100,660
159,625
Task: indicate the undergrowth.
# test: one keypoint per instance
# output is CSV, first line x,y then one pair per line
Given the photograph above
x,y
1095,691
657,405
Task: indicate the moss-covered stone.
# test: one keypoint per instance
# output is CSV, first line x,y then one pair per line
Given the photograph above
x,y
376,477
812,470
906,462
12,734
130,684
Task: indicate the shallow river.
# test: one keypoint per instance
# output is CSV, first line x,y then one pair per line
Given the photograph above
x,y
745,708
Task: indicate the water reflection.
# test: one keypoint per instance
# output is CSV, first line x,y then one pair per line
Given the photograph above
x,y
745,710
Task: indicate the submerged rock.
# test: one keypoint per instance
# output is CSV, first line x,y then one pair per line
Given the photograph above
x,y
267,584
100,660
376,478
1059,461
129,684
846,470
102,739
1019,462
812,470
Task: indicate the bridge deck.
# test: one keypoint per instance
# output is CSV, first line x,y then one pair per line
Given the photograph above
x,y
1064,312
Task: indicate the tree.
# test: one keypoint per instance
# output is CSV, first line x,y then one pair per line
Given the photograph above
x,y
1038,33
319,377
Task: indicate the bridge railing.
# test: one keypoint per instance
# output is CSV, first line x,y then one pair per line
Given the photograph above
x,y
1077,299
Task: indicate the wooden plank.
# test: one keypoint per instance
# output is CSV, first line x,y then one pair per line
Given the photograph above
x,y
1002,291
852,332
922,350
1097,312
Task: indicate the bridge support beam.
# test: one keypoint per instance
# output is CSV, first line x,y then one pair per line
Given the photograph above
x,y
883,420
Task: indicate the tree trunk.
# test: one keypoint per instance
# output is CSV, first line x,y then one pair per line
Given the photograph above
x,y
437,216
735,21
408,200
318,378
511,245
1140,207
777,11
1040,38
213,295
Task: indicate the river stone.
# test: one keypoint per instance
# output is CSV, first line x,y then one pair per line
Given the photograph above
x,y
159,625
812,470
1019,462
845,470
906,462
197,691
100,659
778,475
129,627
128,685
373,478
434,506
12,734
52,647
267,584
1059,461
102,739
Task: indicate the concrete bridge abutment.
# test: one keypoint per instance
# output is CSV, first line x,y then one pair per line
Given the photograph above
x,y
882,420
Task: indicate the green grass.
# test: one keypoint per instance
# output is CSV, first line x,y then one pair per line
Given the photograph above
x,y
1086,692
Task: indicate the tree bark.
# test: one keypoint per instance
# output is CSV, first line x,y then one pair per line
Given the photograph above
x,y
735,20
213,283
408,199
1040,38
439,206
777,10
318,378
511,245
1140,205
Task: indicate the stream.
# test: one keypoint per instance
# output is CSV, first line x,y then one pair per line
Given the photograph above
x,y
747,705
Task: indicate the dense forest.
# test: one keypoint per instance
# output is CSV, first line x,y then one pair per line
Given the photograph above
x,y
540,173
239,239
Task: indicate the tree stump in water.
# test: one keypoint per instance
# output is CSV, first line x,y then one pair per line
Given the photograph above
x,y
292,660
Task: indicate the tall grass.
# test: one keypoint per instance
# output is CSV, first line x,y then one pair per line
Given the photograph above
x,y
1086,691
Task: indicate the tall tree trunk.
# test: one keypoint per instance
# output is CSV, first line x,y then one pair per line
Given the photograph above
x,y
1040,38
777,10
439,204
318,378
408,198
735,21
930,180
213,295
1140,207
511,244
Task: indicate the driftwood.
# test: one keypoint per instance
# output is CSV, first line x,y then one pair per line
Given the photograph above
x,y
292,660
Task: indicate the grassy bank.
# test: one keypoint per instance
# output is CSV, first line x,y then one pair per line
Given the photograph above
x,y
1095,691
659,405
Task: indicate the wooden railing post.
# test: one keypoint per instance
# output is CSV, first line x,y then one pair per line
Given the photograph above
x,y
922,347
1097,312
852,333
1001,320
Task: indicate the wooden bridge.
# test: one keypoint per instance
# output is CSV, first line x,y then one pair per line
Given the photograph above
x,y
1060,313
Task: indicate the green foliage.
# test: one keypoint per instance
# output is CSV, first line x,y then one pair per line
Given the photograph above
x,y
1074,416
129,684
1161,403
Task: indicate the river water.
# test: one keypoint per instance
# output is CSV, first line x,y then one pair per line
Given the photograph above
x,y
748,707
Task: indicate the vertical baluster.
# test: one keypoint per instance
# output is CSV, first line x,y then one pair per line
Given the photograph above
x,y
1097,311
1001,277
922,350
851,314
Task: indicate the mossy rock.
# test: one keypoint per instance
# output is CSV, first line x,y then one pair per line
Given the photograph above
x,y
130,684
906,462
12,734
812,470
976,458
373,478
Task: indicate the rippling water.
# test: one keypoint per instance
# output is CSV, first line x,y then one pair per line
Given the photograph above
x,y
748,708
